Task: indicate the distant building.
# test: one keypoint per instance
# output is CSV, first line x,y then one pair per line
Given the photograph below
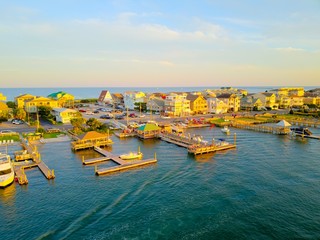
x,y
288,92
198,104
177,104
250,103
105,98
155,104
117,99
268,99
64,99
217,106
132,97
232,100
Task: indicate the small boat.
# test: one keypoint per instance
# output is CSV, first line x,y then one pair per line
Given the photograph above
x,y
301,131
225,130
131,155
6,170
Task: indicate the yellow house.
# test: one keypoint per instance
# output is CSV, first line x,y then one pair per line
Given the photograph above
x,y
232,100
289,91
20,100
64,99
64,115
2,97
217,106
198,104
31,106
177,105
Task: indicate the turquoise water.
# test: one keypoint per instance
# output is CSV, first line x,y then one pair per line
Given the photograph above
x,y
267,188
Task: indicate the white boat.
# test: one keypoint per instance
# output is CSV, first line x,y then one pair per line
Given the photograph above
x,y
225,130
131,155
6,170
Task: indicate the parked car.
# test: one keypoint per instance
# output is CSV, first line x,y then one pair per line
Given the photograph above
x,y
96,111
89,113
119,117
105,117
82,110
17,121
132,115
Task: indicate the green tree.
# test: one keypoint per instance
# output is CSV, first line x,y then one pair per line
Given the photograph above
x,y
45,112
93,123
77,124
11,104
19,113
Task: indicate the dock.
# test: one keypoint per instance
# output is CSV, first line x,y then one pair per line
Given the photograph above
x,y
36,162
262,128
122,164
196,145
306,136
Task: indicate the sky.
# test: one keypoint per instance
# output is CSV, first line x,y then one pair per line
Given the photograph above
x,y
145,43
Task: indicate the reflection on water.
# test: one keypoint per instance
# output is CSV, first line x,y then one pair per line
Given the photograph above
x,y
7,195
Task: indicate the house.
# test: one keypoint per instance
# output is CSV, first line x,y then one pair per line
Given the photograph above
x,y
132,97
217,106
91,139
291,101
117,99
287,92
2,97
155,104
20,100
250,103
105,98
64,115
177,104
268,100
148,130
232,100
31,106
198,104
64,99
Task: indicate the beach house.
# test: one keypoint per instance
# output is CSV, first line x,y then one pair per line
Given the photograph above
x,y
31,106
20,100
64,99
105,98
177,104
132,97
64,115
198,104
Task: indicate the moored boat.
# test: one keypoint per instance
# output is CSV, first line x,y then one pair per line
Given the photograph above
x,y
6,170
225,130
131,155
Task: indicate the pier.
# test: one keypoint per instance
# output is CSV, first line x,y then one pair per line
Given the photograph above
x,y
36,162
262,128
122,164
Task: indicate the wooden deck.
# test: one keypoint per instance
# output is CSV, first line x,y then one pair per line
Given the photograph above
x,y
36,162
262,128
122,164
209,149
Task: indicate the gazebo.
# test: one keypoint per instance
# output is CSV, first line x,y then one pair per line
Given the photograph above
x,y
284,126
91,139
148,130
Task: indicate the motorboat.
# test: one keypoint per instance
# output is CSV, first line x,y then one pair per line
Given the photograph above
x,y
131,155
225,130
6,170
301,131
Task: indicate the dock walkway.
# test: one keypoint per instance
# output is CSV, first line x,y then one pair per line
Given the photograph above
x,y
122,164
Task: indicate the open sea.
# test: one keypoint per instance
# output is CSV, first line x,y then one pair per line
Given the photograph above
x,y
267,188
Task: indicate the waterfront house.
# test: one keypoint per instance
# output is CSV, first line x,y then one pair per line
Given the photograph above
x,y
155,104
117,99
232,100
290,101
198,104
31,106
132,97
217,106
148,130
2,97
268,100
105,98
20,100
177,104
312,101
64,115
250,103
64,99
91,139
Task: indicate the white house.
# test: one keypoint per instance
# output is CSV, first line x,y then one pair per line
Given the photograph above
x,y
105,98
217,106
132,97
64,115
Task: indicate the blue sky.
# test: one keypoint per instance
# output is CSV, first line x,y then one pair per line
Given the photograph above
x,y
159,43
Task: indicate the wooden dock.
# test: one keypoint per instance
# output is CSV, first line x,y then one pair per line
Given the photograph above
x,y
122,164
36,162
306,136
196,146
262,128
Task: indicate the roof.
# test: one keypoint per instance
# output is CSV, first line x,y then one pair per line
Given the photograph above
x,y
267,94
283,123
192,97
224,95
60,110
117,95
103,95
149,127
91,135
57,95
41,99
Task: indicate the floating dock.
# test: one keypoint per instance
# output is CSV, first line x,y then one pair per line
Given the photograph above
x,y
196,145
36,162
122,164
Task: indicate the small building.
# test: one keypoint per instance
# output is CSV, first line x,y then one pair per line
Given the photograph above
x,y
91,139
155,104
148,130
132,97
21,99
217,106
117,99
105,98
64,115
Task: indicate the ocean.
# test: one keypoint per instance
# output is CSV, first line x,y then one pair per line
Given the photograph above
x,y
266,188
94,92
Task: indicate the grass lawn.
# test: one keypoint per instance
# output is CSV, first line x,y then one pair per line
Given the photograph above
x,y
52,135
12,137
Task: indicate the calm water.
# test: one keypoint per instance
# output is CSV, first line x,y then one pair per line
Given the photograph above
x,y
268,188
94,92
